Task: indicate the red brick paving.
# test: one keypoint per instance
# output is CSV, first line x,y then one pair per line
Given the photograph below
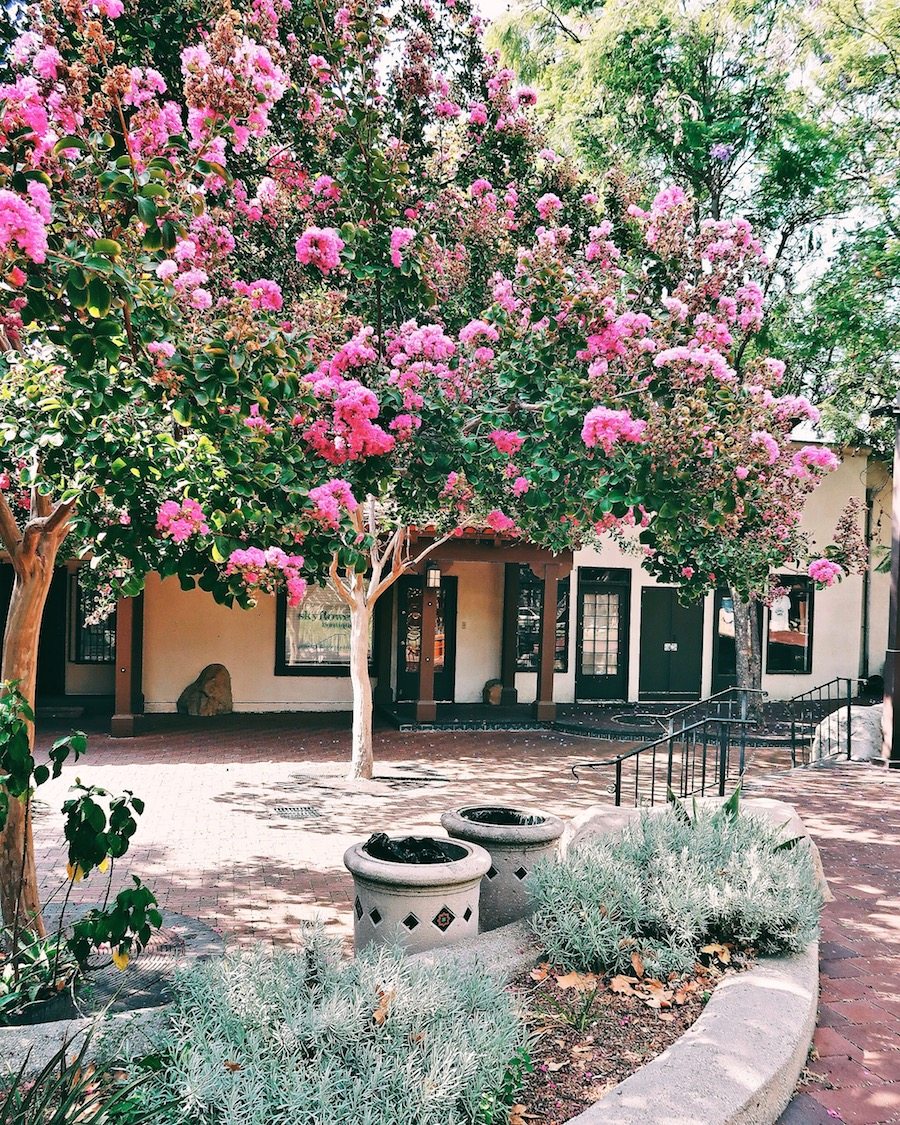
x,y
853,814
210,846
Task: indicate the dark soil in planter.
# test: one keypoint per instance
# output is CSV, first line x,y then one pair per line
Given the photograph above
x,y
412,849
510,817
592,1032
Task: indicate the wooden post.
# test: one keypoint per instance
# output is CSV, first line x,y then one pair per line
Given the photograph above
x,y
426,708
544,707
890,744
509,652
129,666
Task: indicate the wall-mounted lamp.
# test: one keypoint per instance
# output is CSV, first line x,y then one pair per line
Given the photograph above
x,y
433,576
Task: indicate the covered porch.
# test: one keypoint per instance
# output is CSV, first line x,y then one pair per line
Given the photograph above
x,y
417,652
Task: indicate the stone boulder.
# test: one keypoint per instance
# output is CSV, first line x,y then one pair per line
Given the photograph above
x,y
830,740
209,694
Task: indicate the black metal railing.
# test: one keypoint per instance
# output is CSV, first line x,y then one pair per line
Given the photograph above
x,y
811,736
701,758
732,703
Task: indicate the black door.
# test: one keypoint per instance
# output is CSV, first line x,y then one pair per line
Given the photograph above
x,y
409,639
51,663
671,645
601,669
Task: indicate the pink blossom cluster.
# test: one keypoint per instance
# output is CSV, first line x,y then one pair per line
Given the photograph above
x,y
697,363
401,237
22,226
478,330
256,423
549,206
330,499
600,248
605,427
769,444
262,293
458,491
623,334
498,520
179,522
507,441
824,572
321,248
811,459
671,205
419,356
264,570
349,432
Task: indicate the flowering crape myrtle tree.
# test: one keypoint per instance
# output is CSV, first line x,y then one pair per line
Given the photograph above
x,y
319,284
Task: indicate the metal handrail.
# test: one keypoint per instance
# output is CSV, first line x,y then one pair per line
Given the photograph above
x,y
803,724
684,736
742,698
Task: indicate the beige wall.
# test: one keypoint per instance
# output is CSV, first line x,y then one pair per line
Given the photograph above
x,y
184,631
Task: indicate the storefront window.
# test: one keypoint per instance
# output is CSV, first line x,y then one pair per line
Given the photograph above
x,y
789,636
531,597
314,636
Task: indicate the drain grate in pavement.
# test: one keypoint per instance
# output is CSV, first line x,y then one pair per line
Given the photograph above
x,y
296,812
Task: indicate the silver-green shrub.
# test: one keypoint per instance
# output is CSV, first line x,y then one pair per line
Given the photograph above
x,y
307,1038
671,884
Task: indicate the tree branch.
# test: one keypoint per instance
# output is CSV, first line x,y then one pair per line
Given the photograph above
x,y
10,535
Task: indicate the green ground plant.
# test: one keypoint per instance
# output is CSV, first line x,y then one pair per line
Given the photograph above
x,y
671,884
293,1037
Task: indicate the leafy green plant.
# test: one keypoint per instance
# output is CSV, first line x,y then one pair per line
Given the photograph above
x,y
258,1037
671,884
40,968
69,1089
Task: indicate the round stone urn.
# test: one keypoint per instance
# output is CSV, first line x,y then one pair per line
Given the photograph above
x,y
414,904
516,839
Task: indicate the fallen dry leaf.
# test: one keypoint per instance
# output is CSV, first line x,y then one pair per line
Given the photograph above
x,y
666,1017
232,1066
720,952
553,1067
580,981
541,972
622,984
385,997
637,963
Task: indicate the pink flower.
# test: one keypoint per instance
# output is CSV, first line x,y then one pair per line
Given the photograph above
x,y
264,570
201,299
330,500
816,457
548,206
520,486
255,422
499,521
22,226
179,522
605,427
478,330
321,248
477,114
742,472
507,441
825,572
687,572
446,108
166,269
400,238
769,444
45,63
263,293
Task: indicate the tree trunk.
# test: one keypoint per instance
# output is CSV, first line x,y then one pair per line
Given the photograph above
x,y
361,756
747,652
18,876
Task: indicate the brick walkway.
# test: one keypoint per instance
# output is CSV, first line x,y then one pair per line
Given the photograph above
x,y
853,813
211,845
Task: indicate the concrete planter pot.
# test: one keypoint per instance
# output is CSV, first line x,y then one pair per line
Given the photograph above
x,y
418,905
516,839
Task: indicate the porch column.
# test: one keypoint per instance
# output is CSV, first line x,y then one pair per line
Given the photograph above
x,y
426,709
382,626
129,665
509,636
544,707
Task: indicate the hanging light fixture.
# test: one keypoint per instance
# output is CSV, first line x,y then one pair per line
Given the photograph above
x,y
433,576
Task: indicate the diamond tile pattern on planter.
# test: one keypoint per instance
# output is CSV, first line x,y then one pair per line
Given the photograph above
x,y
516,839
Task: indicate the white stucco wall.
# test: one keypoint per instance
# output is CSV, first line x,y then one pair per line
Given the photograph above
x,y
184,631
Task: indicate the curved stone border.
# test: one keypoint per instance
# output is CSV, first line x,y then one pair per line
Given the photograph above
x,y
43,1040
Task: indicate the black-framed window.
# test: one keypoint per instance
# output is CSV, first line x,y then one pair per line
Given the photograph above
x,y
92,639
789,629
313,638
531,598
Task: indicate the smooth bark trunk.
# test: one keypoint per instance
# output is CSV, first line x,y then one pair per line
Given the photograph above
x,y
18,877
747,652
361,755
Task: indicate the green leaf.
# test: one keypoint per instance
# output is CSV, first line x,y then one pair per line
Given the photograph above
x,y
99,298
107,246
70,142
